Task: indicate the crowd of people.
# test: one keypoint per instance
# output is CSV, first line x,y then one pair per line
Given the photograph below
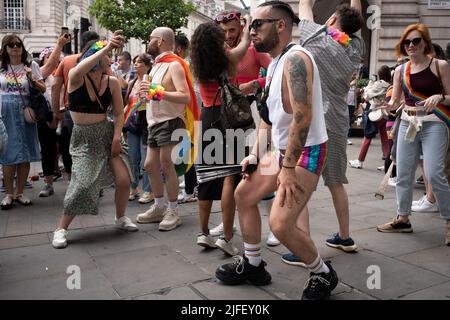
x,y
114,123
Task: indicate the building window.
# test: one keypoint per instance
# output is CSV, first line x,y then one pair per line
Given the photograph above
x,y
66,12
14,15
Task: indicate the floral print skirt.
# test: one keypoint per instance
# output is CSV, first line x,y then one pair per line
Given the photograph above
x,y
90,148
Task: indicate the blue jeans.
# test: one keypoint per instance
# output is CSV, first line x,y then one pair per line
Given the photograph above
x,y
138,152
68,120
432,141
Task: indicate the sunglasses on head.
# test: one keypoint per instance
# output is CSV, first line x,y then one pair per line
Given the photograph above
x,y
257,23
228,17
14,44
414,41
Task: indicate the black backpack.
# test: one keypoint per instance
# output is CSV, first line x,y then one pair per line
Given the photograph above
x,y
235,108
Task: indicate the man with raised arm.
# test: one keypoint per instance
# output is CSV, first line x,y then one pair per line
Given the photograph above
x,y
337,51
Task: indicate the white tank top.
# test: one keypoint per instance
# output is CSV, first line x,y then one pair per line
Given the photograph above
x,y
280,119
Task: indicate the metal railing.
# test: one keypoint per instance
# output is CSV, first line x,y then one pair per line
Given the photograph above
x,y
15,24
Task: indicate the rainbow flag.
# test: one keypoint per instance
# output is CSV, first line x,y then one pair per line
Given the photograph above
x,y
135,106
441,111
192,115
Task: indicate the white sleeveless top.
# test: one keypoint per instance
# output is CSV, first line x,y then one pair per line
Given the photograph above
x,y
162,111
280,119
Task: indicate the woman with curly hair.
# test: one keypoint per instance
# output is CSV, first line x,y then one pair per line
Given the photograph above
x,y
212,59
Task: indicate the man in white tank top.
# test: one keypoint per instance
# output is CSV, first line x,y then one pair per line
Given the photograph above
x,y
163,118
297,131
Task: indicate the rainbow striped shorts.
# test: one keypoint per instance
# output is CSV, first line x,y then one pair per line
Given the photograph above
x,y
313,158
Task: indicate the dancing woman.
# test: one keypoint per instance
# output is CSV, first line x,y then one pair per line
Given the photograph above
x,y
96,144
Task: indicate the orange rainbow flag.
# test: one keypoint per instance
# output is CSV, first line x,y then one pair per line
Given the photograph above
x,y
192,113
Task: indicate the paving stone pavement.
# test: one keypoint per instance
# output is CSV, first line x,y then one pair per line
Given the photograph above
x,y
155,265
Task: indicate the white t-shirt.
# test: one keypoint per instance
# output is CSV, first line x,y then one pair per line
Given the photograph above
x,y
8,84
280,119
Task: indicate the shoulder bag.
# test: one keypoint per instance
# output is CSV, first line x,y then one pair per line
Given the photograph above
x,y
235,108
28,113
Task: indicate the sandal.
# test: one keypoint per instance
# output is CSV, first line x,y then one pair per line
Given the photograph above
x,y
7,202
23,200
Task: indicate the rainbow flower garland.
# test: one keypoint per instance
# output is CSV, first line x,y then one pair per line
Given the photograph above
x,y
156,92
339,36
94,48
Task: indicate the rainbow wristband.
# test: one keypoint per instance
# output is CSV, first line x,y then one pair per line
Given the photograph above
x,y
156,92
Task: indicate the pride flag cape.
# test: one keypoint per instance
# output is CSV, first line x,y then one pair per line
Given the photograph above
x,y
192,115
441,111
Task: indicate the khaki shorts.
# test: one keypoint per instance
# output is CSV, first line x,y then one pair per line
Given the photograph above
x,y
161,134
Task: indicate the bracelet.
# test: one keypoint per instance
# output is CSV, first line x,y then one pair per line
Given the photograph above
x,y
288,167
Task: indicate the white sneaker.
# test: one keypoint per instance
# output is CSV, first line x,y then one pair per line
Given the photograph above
x,y
226,246
355,164
60,239
170,221
184,197
380,168
218,231
205,240
146,197
152,215
272,241
349,142
392,181
125,224
425,206
417,202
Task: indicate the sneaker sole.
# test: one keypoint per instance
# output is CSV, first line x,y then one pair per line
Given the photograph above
x,y
145,201
233,282
126,229
424,211
45,195
225,251
292,263
343,248
171,227
395,230
150,221
59,246
206,245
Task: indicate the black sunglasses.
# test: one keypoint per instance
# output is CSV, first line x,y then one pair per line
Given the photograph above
x,y
414,41
14,44
257,23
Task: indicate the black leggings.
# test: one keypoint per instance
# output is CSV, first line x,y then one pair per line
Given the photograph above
x,y
49,140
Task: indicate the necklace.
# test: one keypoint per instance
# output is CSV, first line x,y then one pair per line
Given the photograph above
x,y
339,36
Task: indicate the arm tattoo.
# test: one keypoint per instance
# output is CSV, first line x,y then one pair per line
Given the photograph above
x,y
298,76
303,135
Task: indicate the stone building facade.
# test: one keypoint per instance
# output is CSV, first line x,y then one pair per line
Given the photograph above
x,y
394,16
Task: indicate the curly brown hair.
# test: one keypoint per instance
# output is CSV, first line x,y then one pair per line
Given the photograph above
x,y
208,57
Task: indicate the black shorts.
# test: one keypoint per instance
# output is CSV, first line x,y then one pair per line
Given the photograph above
x,y
160,134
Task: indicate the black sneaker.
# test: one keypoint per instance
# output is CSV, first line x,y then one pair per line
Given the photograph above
x,y
320,285
347,245
241,271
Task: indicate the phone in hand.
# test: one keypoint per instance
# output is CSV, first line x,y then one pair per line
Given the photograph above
x,y
65,32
